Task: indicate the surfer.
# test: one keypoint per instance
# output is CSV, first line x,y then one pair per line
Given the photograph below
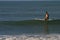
x,y
46,16
46,31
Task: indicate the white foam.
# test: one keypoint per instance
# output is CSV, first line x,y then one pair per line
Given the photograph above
x,y
42,19
30,37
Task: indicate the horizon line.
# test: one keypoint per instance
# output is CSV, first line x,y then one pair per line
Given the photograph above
x,y
30,0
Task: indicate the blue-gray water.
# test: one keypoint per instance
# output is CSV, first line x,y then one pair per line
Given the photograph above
x,y
13,14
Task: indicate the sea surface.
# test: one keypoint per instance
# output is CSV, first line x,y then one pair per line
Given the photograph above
x,y
18,20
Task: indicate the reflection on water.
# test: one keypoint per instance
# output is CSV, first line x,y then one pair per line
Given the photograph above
x,y
45,29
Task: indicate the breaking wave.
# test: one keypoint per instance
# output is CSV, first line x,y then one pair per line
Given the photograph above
x,y
30,37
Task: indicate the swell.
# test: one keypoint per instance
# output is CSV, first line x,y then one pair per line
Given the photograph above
x,y
31,22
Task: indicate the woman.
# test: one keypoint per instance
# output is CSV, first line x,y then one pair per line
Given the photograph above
x,y
46,16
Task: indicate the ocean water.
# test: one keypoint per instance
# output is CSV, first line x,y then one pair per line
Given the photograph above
x,y
17,20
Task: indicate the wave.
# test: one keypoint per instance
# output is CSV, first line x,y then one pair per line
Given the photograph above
x,y
30,22
30,37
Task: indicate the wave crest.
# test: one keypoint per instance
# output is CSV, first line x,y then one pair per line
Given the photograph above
x,y
29,22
